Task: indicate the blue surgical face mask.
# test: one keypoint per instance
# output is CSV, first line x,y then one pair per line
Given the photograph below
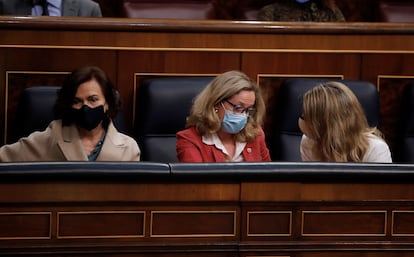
x,y
233,122
302,1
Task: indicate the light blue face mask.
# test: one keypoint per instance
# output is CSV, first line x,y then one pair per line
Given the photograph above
x,y
302,1
233,122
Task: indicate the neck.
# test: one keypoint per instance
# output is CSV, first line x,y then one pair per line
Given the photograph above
x,y
225,137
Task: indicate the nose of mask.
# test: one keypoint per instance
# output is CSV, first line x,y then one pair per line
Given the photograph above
x,y
89,118
233,123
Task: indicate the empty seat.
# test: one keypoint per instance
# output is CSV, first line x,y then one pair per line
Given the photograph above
x,y
163,104
184,9
35,109
286,145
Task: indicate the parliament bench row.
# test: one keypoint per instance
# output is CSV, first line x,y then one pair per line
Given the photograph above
x,y
144,172
214,209
163,103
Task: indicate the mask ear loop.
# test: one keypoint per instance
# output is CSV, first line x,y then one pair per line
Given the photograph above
x,y
222,105
107,108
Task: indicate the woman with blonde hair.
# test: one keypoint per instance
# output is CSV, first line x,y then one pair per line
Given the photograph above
x,y
335,128
224,124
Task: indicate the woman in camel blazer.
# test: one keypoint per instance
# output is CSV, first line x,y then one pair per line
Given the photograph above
x,y
82,130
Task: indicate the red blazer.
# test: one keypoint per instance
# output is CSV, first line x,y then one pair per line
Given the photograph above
x,y
190,148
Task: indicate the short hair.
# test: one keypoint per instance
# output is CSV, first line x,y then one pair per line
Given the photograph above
x,y
66,94
203,116
337,121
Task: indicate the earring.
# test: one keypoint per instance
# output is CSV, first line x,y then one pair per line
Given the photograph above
x,y
215,110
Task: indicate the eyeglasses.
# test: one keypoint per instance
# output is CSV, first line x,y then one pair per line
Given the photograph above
x,y
240,109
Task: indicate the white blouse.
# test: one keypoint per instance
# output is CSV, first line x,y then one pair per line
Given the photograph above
x,y
214,139
378,150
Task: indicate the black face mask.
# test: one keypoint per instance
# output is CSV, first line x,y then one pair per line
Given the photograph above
x,y
88,118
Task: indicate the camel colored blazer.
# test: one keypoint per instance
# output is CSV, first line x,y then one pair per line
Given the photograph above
x,y
58,143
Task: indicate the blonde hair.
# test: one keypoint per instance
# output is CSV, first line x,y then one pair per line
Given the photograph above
x,y
337,122
203,115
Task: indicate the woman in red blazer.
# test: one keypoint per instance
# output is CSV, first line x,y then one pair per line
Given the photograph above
x,y
225,123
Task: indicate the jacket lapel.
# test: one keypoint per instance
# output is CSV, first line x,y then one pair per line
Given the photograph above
x,y
70,145
113,146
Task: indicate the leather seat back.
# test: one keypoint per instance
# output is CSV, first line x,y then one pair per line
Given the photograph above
x,y
163,104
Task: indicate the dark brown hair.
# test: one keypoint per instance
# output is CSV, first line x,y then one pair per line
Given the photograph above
x,y
63,105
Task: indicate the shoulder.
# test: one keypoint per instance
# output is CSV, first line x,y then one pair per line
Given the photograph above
x,y
259,139
188,133
52,132
92,6
378,150
306,143
117,137
260,134
376,141
189,136
87,8
86,3
55,124
306,149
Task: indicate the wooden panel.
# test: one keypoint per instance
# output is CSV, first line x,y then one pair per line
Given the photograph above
x,y
288,191
255,37
299,63
381,69
25,225
331,253
269,223
344,223
3,62
118,192
193,224
114,224
403,223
